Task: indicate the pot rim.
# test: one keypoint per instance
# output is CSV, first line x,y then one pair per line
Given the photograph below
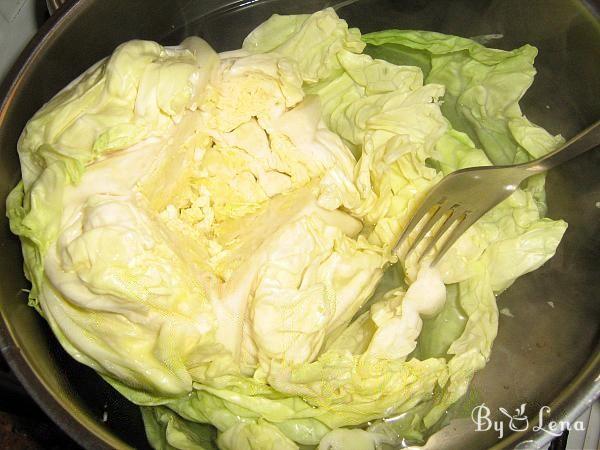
x,y
85,431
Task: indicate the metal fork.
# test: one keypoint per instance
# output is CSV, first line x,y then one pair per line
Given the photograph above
x,y
462,197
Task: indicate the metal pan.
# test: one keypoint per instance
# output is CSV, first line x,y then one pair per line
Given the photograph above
x,y
544,356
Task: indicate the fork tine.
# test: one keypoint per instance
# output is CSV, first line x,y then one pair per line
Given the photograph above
x,y
439,234
464,223
427,226
423,209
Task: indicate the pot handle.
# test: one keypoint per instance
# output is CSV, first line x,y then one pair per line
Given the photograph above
x,y
54,5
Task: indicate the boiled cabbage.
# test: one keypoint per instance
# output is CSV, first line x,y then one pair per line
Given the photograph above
x,y
212,232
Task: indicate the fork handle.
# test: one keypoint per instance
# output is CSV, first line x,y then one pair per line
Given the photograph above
x,y
580,143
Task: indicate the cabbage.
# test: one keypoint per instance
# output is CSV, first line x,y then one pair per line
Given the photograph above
x,y
212,232
483,89
313,41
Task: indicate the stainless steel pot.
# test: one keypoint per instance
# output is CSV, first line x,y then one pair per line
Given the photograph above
x,y
546,355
